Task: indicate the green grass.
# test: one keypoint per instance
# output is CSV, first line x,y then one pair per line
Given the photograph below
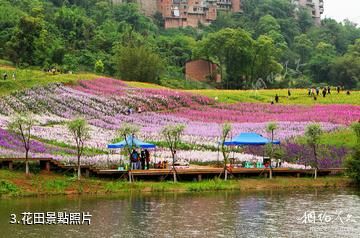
x,y
143,85
15,183
298,96
340,138
7,187
27,78
57,185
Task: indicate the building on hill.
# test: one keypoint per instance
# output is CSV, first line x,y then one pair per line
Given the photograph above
x,y
182,13
202,70
316,8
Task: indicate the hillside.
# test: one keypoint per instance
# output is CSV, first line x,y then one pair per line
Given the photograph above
x,y
104,103
271,42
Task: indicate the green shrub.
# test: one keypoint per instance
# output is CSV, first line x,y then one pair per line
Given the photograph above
x,y
7,187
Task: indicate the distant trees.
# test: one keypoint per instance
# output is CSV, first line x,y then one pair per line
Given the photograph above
x,y
321,61
22,44
345,70
138,64
242,60
75,34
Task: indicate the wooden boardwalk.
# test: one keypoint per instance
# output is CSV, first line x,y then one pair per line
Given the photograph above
x,y
49,164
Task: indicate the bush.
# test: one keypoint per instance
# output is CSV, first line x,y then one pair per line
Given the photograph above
x,y
353,165
7,187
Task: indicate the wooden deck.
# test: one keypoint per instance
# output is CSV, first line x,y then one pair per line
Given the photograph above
x,y
49,164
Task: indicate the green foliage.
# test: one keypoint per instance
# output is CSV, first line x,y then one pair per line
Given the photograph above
x,y
22,44
313,133
353,162
125,131
356,129
57,185
172,135
346,69
138,64
22,124
99,66
249,47
320,62
7,187
225,133
80,131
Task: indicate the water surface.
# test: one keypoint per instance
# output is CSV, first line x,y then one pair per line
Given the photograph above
x,y
220,214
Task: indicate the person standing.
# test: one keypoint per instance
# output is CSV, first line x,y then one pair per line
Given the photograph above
x,y
142,159
147,159
324,92
134,158
5,76
289,93
338,89
329,89
276,98
317,91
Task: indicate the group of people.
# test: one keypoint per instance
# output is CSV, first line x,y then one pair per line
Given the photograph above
x,y
5,76
324,91
140,160
130,110
314,92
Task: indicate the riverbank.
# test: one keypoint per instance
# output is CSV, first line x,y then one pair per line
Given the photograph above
x,y
13,183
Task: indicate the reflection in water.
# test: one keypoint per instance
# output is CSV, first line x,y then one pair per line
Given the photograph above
x,y
222,214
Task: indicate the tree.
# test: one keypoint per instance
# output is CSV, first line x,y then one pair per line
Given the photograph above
x,y
99,66
345,70
80,132
22,44
138,64
264,62
313,134
303,47
125,132
305,19
353,162
22,124
267,24
226,129
232,49
271,127
320,62
172,135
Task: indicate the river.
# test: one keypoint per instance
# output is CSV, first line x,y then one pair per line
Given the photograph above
x,y
215,214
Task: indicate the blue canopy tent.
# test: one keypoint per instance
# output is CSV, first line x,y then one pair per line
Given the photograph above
x,y
131,142
250,139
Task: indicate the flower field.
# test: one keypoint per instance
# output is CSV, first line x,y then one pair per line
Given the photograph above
x,y
104,103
